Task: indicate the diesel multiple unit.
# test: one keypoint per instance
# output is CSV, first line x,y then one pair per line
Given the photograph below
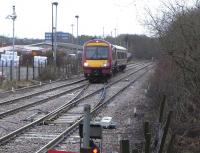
x,y
100,59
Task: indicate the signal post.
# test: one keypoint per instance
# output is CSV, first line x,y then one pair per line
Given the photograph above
x,y
88,132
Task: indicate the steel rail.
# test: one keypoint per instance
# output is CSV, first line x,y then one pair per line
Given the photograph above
x,y
38,93
73,103
65,133
33,86
9,112
6,138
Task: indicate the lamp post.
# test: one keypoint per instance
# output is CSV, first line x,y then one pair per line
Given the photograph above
x,y
77,32
54,30
72,32
13,17
103,32
115,36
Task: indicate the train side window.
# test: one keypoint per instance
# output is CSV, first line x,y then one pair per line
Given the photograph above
x,y
118,55
121,56
114,53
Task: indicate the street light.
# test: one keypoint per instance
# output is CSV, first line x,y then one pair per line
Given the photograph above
x,y
115,36
54,30
72,32
77,32
13,17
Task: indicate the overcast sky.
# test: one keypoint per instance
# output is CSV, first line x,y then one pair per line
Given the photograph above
x,y
34,16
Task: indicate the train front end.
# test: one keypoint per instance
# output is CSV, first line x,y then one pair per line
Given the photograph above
x,y
96,60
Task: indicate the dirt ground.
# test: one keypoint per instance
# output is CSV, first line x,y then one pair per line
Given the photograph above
x,y
129,126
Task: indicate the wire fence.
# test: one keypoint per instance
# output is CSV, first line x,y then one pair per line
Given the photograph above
x,y
33,71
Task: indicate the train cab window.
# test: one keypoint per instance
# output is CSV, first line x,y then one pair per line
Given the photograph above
x,y
96,52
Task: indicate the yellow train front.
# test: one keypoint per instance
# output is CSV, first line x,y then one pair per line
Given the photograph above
x,y
100,59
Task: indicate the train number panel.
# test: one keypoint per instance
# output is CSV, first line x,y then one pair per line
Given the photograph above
x,y
101,58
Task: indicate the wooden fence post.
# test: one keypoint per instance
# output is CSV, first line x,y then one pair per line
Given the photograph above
x,y
124,146
146,128
170,145
162,105
135,151
11,69
165,132
27,70
19,71
33,67
2,66
147,136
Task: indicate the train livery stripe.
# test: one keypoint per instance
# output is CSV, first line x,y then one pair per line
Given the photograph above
x,y
97,44
96,63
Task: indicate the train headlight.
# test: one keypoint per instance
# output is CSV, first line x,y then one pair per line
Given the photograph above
x,y
85,64
106,65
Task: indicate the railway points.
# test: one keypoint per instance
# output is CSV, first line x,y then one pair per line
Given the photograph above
x,y
67,118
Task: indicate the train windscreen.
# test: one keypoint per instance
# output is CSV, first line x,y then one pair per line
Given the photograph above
x,y
96,52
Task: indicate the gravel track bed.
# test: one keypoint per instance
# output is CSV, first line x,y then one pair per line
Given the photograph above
x,y
20,119
127,125
92,88
44,130
23,102
55,128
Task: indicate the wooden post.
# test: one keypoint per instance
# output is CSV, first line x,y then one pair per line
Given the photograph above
x,y
2,65
135,151
19,71
27,70
146,128
147,142
38,68
85,150
147,136
162,105
33,66
11,69
165,132
170,145
124,146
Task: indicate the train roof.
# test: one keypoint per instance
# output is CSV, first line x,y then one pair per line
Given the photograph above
x,y
119,47
101,40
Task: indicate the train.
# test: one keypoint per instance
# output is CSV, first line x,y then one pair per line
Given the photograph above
x,y
100,59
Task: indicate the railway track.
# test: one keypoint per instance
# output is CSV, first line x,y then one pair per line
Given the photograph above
x,y
94,112
28,88
53,118
18,114
22,96
11,109
35,88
